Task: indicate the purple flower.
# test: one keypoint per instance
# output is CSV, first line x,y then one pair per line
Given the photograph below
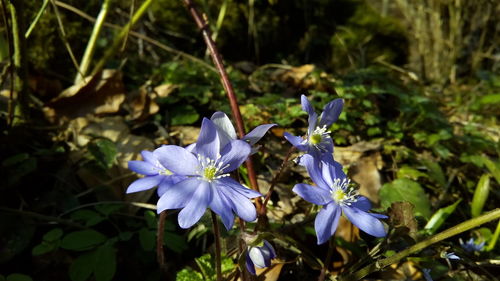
x,y
259,257
155,174
318,140
471,246
449,256
427,274
226,132
207,183
334,192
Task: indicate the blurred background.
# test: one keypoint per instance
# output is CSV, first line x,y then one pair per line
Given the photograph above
x,y
87,85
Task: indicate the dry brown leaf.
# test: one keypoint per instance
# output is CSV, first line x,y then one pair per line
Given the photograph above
x,y
128,148
271,273
186,134
407,270
100,94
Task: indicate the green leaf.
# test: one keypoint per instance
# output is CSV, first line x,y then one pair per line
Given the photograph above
x,y
406,190
440,217
205,264
53,235
490,99
43,248
82,267
2,278
411,173
150,218
189,275
480,195
82,240
108,209
147,239
184,115
125,235
493,167
435,172
18,277
105,263
175,242
89,217
103,151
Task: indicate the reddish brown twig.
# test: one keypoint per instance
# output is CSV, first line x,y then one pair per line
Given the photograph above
x,y
226,83
160,255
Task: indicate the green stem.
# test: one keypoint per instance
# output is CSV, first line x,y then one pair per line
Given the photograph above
x,y
17,15
218,265
89,51
329,254
494,238
117,43
37,18
462,227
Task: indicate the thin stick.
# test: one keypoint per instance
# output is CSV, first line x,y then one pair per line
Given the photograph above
x,y
136,34
218,265
329,255
276,177
91,45
37,18
226,83
160,254
459,228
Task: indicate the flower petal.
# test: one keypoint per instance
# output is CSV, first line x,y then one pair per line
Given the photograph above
x,y
241,205
362,203
331,112
208,143
312,194
331,169
223,208
231,183
296,141
196,207
149,157
306,105
249,264
260,256
313,167
224,127
178,195
326,222
177,160
143,168
144,183
365,221
270,249
168,182
234,154
256,134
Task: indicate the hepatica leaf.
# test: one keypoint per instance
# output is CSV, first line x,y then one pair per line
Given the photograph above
x,y
406,190
82,240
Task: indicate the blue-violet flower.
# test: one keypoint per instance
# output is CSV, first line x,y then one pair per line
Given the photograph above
x,y
471,246
334,192
259,257
155,174
207,182
317,141
226,132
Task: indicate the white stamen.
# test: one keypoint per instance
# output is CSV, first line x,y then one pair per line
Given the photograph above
x,y
343,193
210,169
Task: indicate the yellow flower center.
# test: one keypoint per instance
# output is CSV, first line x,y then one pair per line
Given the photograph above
x,y
209,173
339,195
315,139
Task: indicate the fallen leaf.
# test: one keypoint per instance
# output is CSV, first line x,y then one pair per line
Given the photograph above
x,y
100,94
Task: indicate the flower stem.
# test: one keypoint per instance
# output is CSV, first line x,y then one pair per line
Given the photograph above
x,y
275,179
160,254
226,83
462,227
329,254
218,267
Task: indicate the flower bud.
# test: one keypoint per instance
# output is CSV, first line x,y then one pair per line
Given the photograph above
x,y
260,257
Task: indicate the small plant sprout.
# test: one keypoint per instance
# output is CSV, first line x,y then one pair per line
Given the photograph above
x,y
470,245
